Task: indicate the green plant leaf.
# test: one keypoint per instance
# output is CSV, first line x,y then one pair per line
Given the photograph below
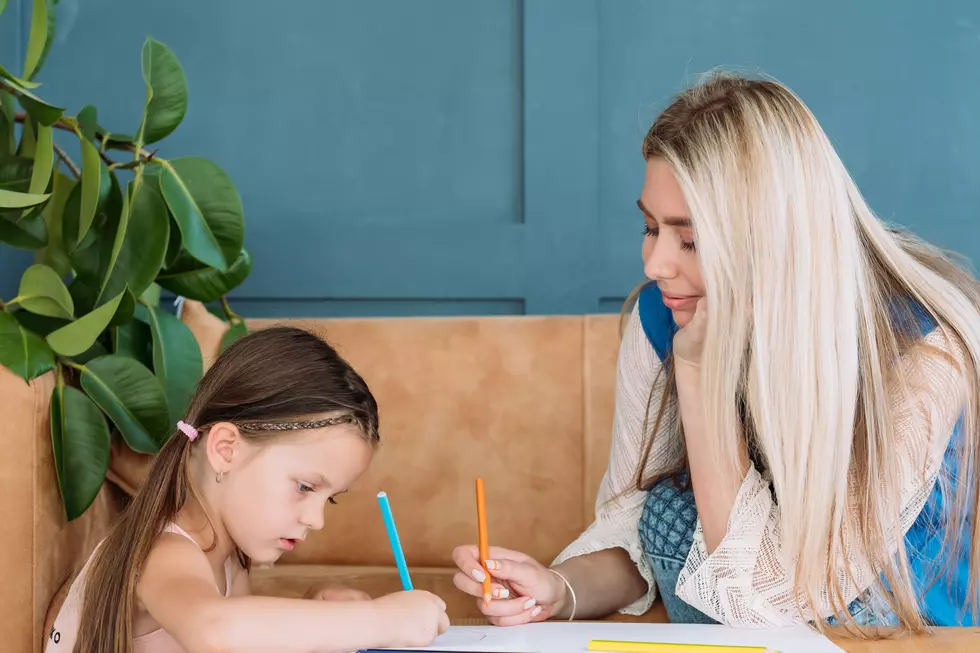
x,y
173,247
177,361
90,258
55,253
15,173
151,295
134,340
132,398
43,161
8,144
85,262
88,122
71,217
74,338
22,352
43,292
93,171
3,6
80,440
206,284
97,350
134,256
44,113
83,288
38,39
28,142
234,332
84,291
29,233
208,209
109,204
7,105
13,200
124,314
116,140
42,325
15,81
95,258
166,93
52,28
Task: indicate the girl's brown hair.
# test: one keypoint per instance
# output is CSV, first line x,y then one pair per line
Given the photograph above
x,y
270,381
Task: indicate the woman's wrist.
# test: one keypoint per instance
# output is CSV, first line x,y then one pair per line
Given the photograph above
x,y
685,370
566,605
687,378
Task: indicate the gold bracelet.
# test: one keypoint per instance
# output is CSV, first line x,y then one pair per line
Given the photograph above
x,y
570,591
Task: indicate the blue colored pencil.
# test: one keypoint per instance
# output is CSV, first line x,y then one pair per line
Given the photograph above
x,y
396,545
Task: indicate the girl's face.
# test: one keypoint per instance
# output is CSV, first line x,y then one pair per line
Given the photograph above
x,y
669,255
276,493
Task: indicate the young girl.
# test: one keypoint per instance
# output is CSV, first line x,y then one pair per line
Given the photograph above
x,y
795,436
280,425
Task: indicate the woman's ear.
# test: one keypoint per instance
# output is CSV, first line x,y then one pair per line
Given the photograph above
x,y
222,440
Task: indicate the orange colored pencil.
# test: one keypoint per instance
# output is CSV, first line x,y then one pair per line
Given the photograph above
x,y
481,520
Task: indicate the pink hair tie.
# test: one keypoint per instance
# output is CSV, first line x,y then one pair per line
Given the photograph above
x,y
187,430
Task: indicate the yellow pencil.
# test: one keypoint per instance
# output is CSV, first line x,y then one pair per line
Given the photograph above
x,y
610,646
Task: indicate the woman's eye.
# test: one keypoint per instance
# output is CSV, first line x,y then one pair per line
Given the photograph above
x,y
332,500
305,487
647,231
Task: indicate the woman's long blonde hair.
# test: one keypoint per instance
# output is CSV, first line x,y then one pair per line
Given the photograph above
x,y
800,279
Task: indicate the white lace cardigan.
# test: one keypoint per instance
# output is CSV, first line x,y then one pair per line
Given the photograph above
x,y
746,581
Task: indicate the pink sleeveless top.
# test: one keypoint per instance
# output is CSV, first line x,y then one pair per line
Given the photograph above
x,y
62,637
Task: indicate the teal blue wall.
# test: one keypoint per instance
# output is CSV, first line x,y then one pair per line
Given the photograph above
x,y
447,157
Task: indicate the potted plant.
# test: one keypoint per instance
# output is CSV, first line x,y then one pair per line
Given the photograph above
x,y
109,231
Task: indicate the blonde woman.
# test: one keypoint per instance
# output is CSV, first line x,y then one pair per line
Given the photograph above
x,y
797,398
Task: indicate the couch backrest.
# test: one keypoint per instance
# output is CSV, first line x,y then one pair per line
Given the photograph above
x,y
525,402
39,549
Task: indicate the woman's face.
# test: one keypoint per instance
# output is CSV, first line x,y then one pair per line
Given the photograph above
x,y
669,255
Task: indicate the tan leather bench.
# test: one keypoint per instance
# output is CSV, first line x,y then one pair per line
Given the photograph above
x,y
525,402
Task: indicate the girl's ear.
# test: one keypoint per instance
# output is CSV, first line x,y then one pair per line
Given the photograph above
x,y
222,440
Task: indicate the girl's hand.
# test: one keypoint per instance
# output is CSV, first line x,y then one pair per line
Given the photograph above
x,y
327,591
523,589
411,619
689,340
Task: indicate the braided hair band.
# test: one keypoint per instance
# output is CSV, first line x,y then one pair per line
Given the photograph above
x,y
192,432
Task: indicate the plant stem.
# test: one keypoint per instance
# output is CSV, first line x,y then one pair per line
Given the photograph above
x,y
128,165
103,141
68,162
230,314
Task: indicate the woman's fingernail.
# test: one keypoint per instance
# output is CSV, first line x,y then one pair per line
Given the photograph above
x,y
536,611
492,564
479,575
501,593
529,604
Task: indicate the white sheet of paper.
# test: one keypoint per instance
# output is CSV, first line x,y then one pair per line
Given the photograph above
x,y
555,637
